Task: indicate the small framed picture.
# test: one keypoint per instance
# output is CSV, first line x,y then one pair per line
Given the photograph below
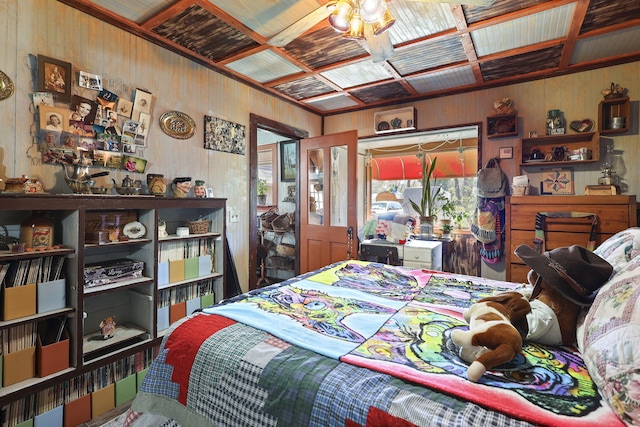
x,y
533,134
53,118
506,152
209,193
54,76
89,81
557,182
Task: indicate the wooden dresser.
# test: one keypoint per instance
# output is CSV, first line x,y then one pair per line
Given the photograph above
x,y
615,213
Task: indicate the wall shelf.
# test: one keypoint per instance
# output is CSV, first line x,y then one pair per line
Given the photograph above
x,y
590,140
398,120
614,107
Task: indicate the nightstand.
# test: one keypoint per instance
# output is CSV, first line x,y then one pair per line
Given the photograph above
x,y
423,254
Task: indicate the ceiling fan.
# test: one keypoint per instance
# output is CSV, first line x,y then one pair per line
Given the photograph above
x,y
366,21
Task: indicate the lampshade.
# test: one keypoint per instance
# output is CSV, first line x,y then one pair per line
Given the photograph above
x,y
383,24
356,28
340,17
372,10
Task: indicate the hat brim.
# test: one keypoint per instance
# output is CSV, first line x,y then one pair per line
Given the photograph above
x,y
540,264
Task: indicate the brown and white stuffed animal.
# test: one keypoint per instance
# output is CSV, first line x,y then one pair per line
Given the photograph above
x,y
491,339
564,281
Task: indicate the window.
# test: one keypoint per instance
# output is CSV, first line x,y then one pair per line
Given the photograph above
x,y
396,168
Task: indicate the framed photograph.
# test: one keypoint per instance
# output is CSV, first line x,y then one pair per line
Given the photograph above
x,y
43,98
53,118
134,164
141,104
90,81
557,181
288,160
83,109
124,107
54,76
506,152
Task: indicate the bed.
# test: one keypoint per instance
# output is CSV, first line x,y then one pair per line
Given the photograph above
x,y
367,344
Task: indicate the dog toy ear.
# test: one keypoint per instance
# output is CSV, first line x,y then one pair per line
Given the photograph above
x,y
515,303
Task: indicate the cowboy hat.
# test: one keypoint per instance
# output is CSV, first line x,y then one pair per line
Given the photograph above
x,y
576,272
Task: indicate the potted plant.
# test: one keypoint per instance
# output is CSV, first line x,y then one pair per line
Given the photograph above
x,y
459,215
427,207
446,230
262,191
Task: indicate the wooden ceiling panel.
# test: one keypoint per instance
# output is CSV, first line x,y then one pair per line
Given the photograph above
x,y
532,62
324,47
200,31
307,87
604,13
381,92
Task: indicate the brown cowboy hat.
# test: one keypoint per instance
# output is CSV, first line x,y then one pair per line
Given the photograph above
x,y
576,272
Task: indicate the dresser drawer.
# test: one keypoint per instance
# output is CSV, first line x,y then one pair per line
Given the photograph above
x,y
417,265
418,254
423,254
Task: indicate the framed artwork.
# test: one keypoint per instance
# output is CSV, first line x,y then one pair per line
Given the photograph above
x,y
288,160
506,152
54,76
223,135
53,118
557,182
500,126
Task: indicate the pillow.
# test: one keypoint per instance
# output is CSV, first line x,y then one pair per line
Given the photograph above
x,y
609,338
617,248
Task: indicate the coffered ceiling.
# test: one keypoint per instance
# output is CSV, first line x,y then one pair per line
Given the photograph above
x,y
438,48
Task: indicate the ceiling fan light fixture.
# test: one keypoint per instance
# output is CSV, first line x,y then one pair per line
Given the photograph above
x,y
341,15
356,28
372,10
383,24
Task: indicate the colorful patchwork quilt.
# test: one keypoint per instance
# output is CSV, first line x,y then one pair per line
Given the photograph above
x,y
356,344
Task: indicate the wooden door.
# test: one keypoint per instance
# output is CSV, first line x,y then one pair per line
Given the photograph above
x,y
327,199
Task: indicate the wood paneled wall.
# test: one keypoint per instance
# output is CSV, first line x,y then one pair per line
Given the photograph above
x,y
126,62
577,95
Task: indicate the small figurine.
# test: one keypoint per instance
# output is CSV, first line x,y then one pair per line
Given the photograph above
x,y
199,190
108,327
502,106
181,187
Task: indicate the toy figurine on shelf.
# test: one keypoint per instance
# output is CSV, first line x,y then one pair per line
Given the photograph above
x,y
108,327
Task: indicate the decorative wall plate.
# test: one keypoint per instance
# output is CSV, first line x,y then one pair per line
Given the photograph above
x,y
177,125
6,86
383,126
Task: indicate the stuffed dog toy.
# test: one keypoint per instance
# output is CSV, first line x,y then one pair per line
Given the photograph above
x,y
564,281
491,339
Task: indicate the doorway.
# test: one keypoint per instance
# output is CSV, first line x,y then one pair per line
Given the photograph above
x,y
271,134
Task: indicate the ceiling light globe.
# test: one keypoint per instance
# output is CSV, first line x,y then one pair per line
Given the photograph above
x,y
383,24
339,18
372,10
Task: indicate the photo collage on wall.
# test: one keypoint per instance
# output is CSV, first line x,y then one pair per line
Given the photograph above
x,y
104,130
